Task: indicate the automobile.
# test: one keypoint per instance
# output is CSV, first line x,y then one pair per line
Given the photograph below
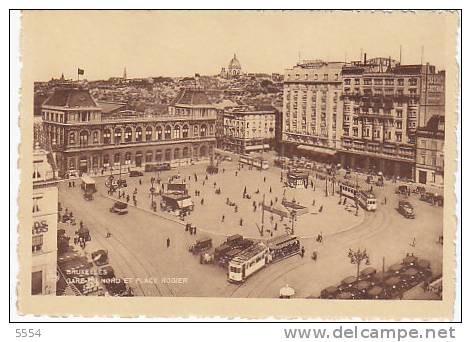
x,y
120,208
136,173
329,292
406,209
362,288
347,284
122,183
367,273
376,292
402,190
201,245
396,269
100,257
393,286
411,277
72,174
419,190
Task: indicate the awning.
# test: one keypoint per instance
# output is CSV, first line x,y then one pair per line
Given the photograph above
x,y
316,149
185,203
256,147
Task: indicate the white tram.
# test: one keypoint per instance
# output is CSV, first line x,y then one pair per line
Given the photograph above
x,y
257,162
248,262
366,199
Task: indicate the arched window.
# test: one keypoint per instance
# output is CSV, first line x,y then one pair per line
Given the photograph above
x,y
138,134
148,133
106,160
95,137
211,129
185,131
117,158
83,138
176,153
107,136
176,132
203,151
203,130
128,134
117,136
195,130
159,133
168,132
71,138
127,158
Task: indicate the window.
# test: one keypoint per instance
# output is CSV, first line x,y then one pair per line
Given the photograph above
x,y
398,137
185,152
168,132
71,138
176,132
185,131
195,131
138,134
117,136
128,134
117,158
400,82
203,130
95,137
159,133
148,133
83,138
148,156
127,158
399,124
398,113
158,155
106,160
37,243
176,153
168,154
107,136
36,204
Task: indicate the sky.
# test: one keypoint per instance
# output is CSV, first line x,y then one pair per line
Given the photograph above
x,y
182,43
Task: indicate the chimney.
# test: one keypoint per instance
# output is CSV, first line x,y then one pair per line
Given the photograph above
x,y
364,59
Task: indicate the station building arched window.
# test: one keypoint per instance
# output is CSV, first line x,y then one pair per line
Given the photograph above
x,y
168,132
168,154
158,155
185,131
148,133
158,133
83,138
148,156
107,136
128,134
117,135
176,153
176,132
138,134
71,138
117,158
186,152
203,130
127,158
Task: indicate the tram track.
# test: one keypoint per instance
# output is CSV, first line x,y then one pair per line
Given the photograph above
x,y
126,254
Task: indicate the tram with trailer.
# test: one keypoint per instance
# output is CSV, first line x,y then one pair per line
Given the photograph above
x,y
247,262
366,199
257,162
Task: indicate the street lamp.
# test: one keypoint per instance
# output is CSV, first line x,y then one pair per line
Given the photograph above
x,y
152,193
357,257
293,215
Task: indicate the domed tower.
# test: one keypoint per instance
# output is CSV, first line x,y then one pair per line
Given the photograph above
x,y
234,69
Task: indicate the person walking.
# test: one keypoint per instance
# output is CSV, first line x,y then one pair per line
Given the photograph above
x,y
264,179
73,184
202,201
320,209
140,181
222,218
270,189
241,222
168,242
127,198
302,251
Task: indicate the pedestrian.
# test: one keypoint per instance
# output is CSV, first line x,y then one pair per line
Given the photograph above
x,y
313,202
314,256
168,242
236,173
73,184
75,240
320,209
214,185
241,222
194,230
140,181
270,189
271,203
222,219
202,201
264,179
276,226
206,178
385,199
302,251
127,198
70,185
344,201
204,182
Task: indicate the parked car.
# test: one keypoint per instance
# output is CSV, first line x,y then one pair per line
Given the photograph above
x,y
136,173
402,190
406,209
201,245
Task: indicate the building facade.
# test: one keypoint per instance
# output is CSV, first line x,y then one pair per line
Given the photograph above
x,y
430,152
312,110
86,139
247,129
383,105
44,230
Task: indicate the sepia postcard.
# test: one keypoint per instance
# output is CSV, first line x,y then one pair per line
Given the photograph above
x,y
252,164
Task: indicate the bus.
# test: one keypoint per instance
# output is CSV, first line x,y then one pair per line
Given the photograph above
x,y
366,199
88,184
283,246
257,162
248,262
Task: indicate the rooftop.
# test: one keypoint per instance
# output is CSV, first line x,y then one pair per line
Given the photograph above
x,y
71,98
192,97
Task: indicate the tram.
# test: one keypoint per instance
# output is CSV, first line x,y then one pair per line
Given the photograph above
x,y
257,162
284,246
366,199
248,262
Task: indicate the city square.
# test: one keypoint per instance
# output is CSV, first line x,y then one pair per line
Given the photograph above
x,y
137,245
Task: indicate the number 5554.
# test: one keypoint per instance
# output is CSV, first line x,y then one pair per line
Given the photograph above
x,y
28,333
